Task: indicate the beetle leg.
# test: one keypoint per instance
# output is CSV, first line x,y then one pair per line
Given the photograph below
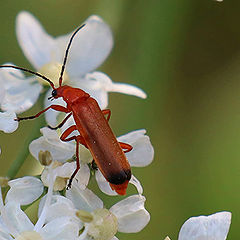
x,y
62,123
54,107
126,146
107,112
78,139
77,162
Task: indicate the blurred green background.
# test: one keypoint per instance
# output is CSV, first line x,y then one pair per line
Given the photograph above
x,y
186,56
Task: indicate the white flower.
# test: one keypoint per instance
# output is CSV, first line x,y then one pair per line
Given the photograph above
x,y
141,155
90,48
212,227
14,223
128,215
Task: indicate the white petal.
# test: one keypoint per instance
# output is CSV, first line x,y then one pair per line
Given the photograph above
x,y
131,214
52,115
83,176
83,199
4,231
36,44
5,236
21,98
60,207
20,92
60,228
90,47
2,93
65,170
15,219
212,227
137,184
142,152
109,86
24,190
127,89
103,184
7,122
50,141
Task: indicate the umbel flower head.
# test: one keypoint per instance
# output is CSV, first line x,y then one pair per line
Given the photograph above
x,y
140,156
77,213
90,48
98,222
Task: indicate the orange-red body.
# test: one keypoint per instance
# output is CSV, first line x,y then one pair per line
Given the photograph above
x,y
97,137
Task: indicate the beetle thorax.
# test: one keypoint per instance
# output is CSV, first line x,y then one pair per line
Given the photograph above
x,y
71,95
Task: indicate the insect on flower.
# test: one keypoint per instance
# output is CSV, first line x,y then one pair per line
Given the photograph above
x,y
94,130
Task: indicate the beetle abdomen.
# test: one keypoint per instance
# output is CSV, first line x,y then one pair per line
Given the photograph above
x,y
119,177
102,143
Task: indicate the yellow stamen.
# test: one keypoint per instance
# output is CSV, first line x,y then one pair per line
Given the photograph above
x,y
52,71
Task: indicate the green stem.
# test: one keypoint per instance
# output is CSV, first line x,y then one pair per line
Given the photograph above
x,y
24,152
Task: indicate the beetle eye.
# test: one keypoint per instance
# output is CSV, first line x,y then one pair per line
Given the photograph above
x,y
54,93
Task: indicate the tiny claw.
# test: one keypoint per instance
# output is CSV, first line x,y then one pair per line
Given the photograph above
x,y
69,186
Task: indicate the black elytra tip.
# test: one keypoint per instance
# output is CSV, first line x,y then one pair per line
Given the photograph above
x,y
120,177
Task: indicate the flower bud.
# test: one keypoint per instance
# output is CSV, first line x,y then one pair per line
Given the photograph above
x,y
84,216
104,225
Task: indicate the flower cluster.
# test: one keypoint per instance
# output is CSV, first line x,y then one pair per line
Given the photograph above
x,y
75,213
80,214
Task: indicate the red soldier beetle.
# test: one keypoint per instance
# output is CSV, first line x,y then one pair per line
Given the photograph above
x,y
94,130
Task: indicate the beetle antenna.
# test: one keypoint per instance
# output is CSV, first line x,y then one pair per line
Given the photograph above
x,y
66,53
29,71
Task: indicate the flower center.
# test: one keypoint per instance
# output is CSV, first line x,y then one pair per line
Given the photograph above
x,y
52,71
29,235
60,182
103,226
